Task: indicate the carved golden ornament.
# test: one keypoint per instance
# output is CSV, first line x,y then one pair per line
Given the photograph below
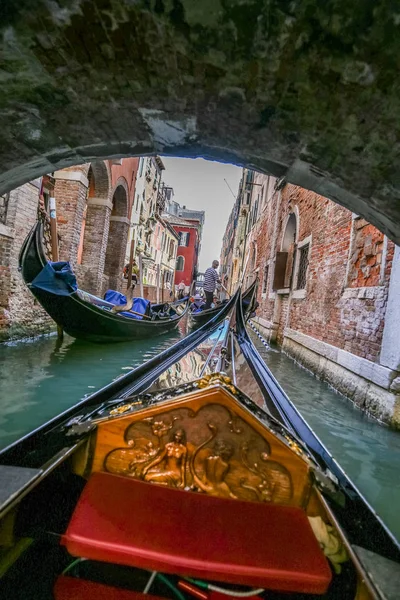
x,y
294,445
120,410
217,379
210,450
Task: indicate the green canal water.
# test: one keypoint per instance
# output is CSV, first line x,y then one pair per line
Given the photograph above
x,y
41,378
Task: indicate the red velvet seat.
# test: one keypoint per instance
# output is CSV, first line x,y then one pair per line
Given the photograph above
x,y
70,588
129,522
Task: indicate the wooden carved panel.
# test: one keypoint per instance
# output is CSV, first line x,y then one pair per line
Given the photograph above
x,y
203,445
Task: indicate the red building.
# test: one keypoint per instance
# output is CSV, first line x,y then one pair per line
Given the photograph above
x,y
188,248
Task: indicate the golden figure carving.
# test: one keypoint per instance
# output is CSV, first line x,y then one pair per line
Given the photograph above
x,y
216,467
169,467
276,482
214,451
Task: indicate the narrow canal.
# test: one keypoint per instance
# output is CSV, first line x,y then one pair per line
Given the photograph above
x,y
40,379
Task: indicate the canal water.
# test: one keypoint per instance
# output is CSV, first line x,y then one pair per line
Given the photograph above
x,y
39,379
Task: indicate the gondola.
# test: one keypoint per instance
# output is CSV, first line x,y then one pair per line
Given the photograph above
x,y
192,476
85,316
249,299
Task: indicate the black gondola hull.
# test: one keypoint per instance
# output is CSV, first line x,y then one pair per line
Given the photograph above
x,y
82,319
202,317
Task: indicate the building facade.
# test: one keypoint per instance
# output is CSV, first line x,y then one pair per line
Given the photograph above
x,y
326,281
106,211
188,223
187,249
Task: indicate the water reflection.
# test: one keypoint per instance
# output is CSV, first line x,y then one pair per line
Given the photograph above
x,y
368,452
40,379
196,363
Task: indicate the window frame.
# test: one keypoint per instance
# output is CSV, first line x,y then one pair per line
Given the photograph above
x,y
265,280
300,293
183,264
184,235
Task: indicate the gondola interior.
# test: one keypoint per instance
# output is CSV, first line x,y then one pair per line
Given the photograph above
x,y
186,489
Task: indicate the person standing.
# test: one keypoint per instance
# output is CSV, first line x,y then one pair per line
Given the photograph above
x,y
135,273
169,289
181,290
211,278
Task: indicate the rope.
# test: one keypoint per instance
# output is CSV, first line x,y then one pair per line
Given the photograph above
x,y
258,334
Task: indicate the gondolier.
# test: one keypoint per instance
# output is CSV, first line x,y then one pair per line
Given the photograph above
x,y
211,278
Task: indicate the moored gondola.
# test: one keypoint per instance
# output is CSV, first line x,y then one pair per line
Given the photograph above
x,y
83,315
174,483
249,300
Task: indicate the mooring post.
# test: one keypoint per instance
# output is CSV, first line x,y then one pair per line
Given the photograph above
x,y
54,246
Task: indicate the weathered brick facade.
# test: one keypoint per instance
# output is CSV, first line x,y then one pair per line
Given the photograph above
x,y
333,308
93,203
325,275
20,314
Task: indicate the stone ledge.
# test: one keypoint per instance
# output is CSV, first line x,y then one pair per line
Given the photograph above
x,y
364,292
72,176
267,328
100,202
263,322
7,231
299,294
380,376
373,399
120,220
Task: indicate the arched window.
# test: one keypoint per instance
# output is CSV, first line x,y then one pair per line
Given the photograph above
x,y
289,238
285,260
180,263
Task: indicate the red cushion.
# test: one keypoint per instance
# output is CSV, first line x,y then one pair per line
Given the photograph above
x,y
129,522
70,588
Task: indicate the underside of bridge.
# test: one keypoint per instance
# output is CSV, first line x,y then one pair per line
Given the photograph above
x,y
304,89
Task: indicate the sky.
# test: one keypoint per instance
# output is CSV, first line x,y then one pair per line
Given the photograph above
x,y
199,184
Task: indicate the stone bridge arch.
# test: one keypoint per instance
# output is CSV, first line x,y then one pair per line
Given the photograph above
x,y
291,89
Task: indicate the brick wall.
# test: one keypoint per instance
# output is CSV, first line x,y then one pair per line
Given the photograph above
x,y
115,254
344,302
70,202
20,314
367,254
95,247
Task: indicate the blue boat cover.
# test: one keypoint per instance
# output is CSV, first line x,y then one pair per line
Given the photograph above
x,y
115,297
139,304
57,278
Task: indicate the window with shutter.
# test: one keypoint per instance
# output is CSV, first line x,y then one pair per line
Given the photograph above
x,y
280,270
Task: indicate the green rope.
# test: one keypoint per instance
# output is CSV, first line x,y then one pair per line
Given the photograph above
x,y
71,565
201,584
171,586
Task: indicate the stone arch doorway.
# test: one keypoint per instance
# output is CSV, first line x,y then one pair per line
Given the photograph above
x,y
94,227
117,237
283,276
